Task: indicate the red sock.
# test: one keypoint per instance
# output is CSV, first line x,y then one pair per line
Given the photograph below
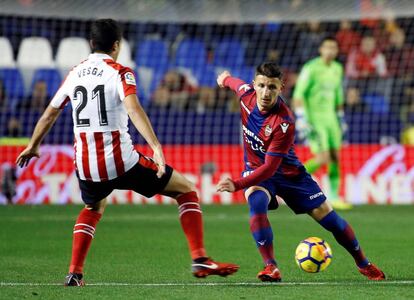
x,y
83,233
192,223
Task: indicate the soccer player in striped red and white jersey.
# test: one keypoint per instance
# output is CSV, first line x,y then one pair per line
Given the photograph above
x,y
103,96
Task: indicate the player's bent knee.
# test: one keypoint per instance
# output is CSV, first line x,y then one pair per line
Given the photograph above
x,y
258,201
252,189
98,207
320,212
178,185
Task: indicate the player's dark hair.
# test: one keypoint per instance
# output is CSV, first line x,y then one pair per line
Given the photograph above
x,y
104,33
269,69
330,38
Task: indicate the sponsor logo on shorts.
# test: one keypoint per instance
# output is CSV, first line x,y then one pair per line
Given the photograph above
x,y
315,195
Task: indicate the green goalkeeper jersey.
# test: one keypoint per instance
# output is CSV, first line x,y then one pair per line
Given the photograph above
x,y
320,87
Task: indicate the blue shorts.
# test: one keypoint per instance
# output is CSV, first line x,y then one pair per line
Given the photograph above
x,y
301,193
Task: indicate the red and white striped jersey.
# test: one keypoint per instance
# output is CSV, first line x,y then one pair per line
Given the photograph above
x,y
96,88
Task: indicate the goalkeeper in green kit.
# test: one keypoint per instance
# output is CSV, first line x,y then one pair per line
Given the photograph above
x,y
318,103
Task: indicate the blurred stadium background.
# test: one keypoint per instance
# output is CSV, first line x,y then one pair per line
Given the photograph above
x,y
177,48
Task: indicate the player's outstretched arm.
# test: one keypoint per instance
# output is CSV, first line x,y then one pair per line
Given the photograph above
x,y
142,123
221,77
44,124
235,84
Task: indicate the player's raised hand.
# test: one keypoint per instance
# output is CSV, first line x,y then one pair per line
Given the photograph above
x,y
226,185
220,79
159,159
26,155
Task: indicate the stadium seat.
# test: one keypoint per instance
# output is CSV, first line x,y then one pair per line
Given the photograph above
x,y
124,57
51,77
192,54
71,51
229,54
144,79
152,53
13,86
244,73
35,52
6,57
377,103
206,76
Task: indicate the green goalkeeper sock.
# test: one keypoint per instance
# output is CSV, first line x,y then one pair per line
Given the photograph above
x,y
334,179
312,166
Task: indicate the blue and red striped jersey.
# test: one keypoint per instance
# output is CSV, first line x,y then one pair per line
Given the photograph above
x,y
271,133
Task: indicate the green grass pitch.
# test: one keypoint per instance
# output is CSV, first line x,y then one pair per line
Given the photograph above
x,y
139,252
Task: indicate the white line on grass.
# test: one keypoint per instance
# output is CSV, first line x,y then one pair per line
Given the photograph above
x,y
168,284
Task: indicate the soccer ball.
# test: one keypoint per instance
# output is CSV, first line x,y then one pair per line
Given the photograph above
x,y
313,255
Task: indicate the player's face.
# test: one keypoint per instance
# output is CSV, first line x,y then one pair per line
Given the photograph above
x,y
329,50
267,90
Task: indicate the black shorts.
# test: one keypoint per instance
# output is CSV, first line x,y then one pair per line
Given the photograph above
x,y
141,178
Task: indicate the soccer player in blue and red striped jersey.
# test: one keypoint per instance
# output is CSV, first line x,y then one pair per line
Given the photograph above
x,y
272,168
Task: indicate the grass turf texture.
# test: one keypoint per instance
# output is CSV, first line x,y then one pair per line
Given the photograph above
x,y
137,245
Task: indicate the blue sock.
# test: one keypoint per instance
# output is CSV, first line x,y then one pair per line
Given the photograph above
x,y
345,236
260,226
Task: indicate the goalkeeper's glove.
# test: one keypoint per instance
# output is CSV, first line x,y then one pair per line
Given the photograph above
x,y
342,121
303,128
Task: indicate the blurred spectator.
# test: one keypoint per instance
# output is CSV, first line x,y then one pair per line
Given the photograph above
x,y
161,97
206,100
39,96
273,55
38,100
366,61
400,61
14,128
390,24
399,55
229,99
174,91
8,182
353,101
13,134
309,40
347,38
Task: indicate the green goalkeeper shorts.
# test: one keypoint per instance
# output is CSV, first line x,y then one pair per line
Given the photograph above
x,y
325,136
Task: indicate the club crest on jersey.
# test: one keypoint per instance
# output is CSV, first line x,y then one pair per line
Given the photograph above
x,y
268,130
129,78
284,127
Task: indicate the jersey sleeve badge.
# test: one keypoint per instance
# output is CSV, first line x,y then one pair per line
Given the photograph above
x,y
284,126
130,78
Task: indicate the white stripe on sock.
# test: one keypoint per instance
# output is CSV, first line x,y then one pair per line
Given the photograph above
x,y
83,231
190,209
184,204
86,225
